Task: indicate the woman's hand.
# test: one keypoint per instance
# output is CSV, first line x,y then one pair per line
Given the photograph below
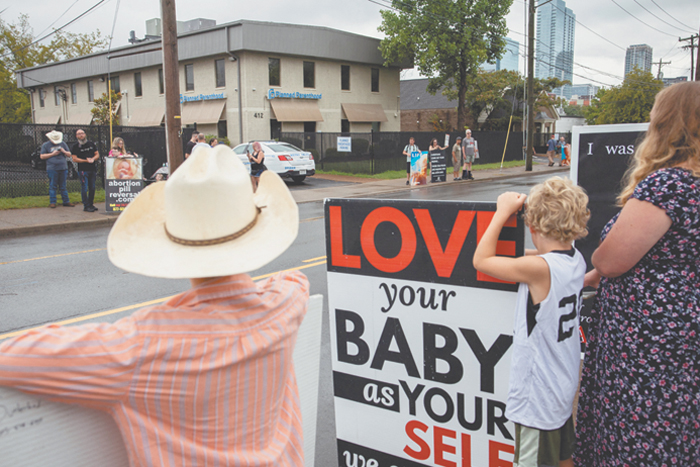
x,y
592,279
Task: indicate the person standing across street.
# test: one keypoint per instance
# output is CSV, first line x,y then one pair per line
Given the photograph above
x,y
86,155
470,151
551,150
55,152
457,158
410,147
206,377
201,142
189,147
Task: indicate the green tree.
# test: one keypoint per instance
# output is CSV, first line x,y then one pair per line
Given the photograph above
x,y
100,112
446,39
17,51
574,110
630,102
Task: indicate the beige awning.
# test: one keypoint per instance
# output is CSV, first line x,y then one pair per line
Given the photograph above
x,y
204,112
296,110
147,117
364,113
80,119
48,119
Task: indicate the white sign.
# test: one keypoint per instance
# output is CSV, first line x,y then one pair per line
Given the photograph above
x,y
344,144
447,139
420,341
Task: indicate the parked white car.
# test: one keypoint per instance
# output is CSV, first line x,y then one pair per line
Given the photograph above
x,y
286,160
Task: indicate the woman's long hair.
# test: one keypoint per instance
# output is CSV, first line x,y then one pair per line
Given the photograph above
x,y
673,137
115,145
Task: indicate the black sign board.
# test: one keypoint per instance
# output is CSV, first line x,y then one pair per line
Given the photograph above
x,y
438,166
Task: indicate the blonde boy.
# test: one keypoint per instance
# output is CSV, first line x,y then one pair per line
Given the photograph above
x,y
546,348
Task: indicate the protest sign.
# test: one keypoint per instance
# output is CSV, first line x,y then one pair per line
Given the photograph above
x,y
123,181
438,166
419,168
420,341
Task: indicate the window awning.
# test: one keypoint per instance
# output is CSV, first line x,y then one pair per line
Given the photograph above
x,y
48,119
80,119
204,112
296,110
364,113
147,117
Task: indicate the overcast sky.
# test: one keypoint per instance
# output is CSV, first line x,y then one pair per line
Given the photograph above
x,y
596,59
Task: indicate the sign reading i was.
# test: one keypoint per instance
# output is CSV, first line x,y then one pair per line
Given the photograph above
x,y
421,341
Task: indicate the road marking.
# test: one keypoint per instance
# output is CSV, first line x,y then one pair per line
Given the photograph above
x,y
313,259
141,305
311,219
53,256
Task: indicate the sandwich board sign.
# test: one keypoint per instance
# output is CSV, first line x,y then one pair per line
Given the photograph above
x,y
421,342
35,432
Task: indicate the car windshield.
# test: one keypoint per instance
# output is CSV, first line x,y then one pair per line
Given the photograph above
x,y
242,148
283,147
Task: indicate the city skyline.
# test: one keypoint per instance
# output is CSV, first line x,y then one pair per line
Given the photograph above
x,y
640,56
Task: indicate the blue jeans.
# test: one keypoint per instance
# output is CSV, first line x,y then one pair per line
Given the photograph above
x,y
57,180
87,186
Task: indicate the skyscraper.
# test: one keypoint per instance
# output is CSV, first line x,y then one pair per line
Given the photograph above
x,y
510,59
639,55
554,49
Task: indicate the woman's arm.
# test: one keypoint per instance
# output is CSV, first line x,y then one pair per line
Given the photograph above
x,y
637,229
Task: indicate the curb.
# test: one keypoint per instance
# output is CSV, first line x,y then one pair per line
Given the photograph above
x,y
66,226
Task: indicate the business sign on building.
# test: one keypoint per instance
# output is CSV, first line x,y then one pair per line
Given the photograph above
x,y
275,94
123,182
421,341
202,97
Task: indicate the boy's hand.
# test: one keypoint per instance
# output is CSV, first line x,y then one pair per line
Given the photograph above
x,y
510,202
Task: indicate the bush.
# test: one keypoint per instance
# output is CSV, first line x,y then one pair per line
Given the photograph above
x,y
360,146
330,153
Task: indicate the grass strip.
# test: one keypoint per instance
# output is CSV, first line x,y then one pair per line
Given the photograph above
x,y
26,202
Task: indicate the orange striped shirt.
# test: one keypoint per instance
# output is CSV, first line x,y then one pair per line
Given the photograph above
x,y
204,379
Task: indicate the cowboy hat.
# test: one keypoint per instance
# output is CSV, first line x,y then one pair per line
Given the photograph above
x,y
56,137
205,221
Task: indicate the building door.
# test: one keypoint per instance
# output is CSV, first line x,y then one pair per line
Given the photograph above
x,y
275,129
309,135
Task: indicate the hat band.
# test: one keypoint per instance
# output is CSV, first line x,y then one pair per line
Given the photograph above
x,y
214,241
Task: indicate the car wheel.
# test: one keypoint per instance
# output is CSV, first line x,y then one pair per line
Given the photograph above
x,y
298,179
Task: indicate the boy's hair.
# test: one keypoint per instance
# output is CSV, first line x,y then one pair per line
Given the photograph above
x,y
558,209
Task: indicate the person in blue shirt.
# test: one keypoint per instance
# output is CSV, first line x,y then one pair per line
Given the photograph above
x,y
551,150
56,153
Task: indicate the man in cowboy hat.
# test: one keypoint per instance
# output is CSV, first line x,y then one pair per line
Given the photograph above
x,y
54,152
206,377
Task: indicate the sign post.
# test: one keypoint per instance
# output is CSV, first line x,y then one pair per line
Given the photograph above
x,y
420,341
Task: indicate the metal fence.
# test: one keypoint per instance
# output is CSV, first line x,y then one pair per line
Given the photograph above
x,y
378,152
22,175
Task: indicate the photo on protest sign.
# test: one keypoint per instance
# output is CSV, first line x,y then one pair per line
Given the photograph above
x,y
421,341
419,168
124,169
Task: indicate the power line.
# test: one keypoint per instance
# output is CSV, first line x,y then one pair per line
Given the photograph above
x,y
669,15
646,24
56,20
645,9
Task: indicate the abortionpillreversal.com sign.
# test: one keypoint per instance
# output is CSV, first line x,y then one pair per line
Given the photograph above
x,y
421,341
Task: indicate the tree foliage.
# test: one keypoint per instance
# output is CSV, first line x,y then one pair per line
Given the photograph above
x,y
446,39
574,110
17,51
100,112
630,102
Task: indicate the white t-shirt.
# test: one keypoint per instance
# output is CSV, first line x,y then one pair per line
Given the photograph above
x,y
547,347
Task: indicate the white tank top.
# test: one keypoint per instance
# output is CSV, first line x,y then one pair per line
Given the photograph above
x,y
546,346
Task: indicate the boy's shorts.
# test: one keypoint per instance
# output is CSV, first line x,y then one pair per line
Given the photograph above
x,y
534,447
468,159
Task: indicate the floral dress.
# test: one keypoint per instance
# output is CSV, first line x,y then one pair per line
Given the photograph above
x,y
640,394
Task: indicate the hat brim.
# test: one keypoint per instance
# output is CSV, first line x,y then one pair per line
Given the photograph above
x,y
138,243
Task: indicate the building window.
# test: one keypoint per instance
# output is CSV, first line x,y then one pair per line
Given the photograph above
x,y
114,81
345,126
375,79
274,68
73,94
309,75
91,91
345,77
220,73
160,81
309,127
41,98
376,127
138,90
56,97
189,77
222,129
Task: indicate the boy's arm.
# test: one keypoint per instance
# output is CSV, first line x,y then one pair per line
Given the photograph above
x,y
526,269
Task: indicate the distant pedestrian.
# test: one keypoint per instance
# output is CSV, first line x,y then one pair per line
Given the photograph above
x,y
119,149
410,148
201,142
562,151
470,151
56,153
86,155
457,158
257,163
551,150
213,142
190,144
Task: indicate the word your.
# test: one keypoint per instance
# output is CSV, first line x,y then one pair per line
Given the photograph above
x,y
407,296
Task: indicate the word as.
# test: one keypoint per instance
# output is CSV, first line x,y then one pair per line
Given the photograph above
x,y
351,460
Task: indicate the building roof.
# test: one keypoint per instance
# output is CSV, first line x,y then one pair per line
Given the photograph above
x,y
414,96
238,36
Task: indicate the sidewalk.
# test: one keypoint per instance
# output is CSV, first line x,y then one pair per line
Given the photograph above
x,y
18,222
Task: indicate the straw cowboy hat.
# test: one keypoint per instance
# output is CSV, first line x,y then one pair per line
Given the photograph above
x,y
56,137
205,221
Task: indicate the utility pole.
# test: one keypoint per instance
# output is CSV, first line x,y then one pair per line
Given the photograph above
x,y
171,80
660,63
529,143
692,46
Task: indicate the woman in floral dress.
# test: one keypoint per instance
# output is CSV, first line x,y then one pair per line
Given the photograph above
x,y
640,394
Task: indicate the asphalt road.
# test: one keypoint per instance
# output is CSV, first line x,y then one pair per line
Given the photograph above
x,y
54,277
